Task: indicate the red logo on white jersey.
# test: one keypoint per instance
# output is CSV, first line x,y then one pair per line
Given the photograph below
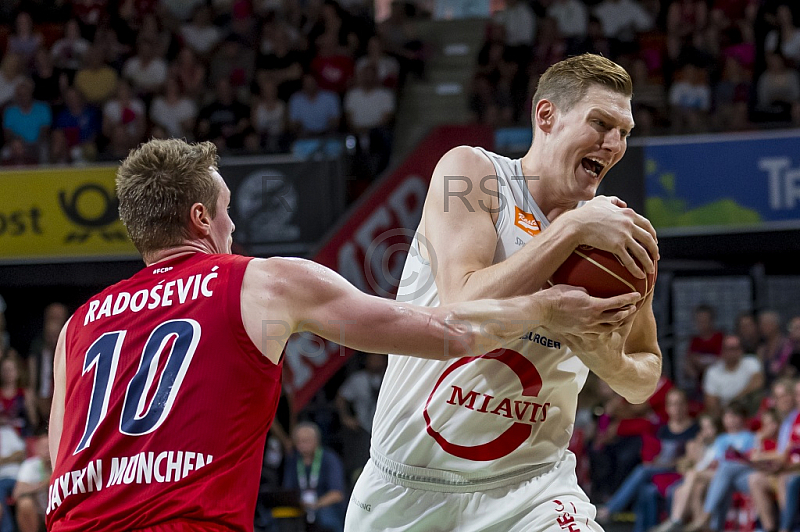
x,y
514,436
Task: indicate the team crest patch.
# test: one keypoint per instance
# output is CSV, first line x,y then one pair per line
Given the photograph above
x,y
526,222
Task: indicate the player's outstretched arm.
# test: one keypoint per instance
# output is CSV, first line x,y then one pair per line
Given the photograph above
x,y
59,394
283,296
627,358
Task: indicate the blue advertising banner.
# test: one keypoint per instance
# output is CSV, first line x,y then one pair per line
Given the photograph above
x,y
723,182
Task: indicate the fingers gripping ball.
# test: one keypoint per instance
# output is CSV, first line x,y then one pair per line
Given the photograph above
x,y
602,274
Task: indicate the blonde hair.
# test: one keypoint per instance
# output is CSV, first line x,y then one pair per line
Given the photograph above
x,y
158,183
566,82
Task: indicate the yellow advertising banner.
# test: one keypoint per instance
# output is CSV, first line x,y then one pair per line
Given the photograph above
x,y
61,214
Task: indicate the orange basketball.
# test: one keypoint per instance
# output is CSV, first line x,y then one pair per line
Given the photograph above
x,y
602,274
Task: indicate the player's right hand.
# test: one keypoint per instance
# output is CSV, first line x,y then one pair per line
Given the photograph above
x,y
607,223
571,310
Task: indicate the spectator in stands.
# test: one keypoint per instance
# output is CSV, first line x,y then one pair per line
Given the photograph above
x,y
176,11
794,337
31,489
734,377
732,95
68,51
775,349
12,453
90,13
398,35
519,23
5,338
146,72
489,106
369,111
319,475
124,120
201,35
621,20
80,125
617,443
11,69
731,472
550,47
332,66
649,98
114,52
638,487
767,482
268,116
690,99
24,40
705,345
234,61
173,111
778,89
226,120
49,82
27,120
96,81
785,39
40,363
572,18
747,331
13,406
387,67
684,19
190,73
595,41
151,30
283,64
313,112
356,402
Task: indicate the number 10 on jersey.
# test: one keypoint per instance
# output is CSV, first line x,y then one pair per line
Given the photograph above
x,y
138,418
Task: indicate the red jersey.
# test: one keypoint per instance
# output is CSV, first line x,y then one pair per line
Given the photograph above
x,y
168,403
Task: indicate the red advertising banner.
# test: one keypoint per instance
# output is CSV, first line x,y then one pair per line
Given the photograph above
x,y
369,249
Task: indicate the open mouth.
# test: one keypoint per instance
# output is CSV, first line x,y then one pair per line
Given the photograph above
x,y
592,166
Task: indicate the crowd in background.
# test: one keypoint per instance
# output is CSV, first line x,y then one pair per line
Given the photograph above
x,y
87,80
696,65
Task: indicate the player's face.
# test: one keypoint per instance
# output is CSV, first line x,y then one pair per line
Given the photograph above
x,y
222,226
590,139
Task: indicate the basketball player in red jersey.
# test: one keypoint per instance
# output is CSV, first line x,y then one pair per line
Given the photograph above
x,y
166,383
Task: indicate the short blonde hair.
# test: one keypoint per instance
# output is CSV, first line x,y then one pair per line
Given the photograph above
x,y
566,82
158,183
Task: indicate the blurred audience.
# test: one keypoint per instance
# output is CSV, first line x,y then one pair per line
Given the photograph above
x,y
705,345
40,363
31,488
734,377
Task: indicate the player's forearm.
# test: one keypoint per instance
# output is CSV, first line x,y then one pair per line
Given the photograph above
x,y
634,376
477,327
524,272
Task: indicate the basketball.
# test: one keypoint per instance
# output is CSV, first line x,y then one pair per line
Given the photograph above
x,y
602,274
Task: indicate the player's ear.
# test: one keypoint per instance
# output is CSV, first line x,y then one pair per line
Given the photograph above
x,y
199,219
544,115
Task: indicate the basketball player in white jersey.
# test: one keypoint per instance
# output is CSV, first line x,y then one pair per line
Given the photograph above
x,y
480,444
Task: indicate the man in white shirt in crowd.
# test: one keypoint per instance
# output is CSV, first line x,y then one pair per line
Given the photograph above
x,y
733,377
369,110
571,17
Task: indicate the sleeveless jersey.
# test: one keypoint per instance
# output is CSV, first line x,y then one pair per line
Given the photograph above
x,y
168,403
481,420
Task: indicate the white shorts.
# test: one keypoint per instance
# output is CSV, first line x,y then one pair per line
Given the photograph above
x,y
550,502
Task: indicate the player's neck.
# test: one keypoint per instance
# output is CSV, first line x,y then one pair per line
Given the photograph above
x,y
173,252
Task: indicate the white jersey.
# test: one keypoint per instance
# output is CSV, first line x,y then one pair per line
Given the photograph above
x,y
479,420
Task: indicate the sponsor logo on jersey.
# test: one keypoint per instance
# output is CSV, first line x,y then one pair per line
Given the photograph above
x,y
527,222
523,408
541,340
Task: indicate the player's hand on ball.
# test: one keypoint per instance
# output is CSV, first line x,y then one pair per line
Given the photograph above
x,y
607,223
572,311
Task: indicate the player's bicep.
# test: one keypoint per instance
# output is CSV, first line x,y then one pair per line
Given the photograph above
x,y
459,226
